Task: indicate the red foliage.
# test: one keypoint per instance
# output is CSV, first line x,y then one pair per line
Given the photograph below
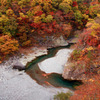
x,y
74,3
92,41
52,13
99,46
85,3
23,20
46,27
38,13
87,12
35,25
90,90
88,39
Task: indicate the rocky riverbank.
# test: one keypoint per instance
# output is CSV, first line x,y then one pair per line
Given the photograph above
x,y
23,59
17,85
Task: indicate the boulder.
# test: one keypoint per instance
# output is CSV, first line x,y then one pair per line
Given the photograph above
x,y
18,65
74,73
60,41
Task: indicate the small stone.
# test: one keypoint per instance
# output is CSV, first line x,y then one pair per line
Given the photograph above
x,y
19,66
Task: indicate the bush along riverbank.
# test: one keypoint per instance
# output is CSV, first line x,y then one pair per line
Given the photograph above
x,y
84,63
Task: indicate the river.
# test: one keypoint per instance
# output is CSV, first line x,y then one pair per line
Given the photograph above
x,y
32,85
47,69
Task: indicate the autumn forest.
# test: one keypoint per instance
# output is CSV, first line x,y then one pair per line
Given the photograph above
x,y
30,23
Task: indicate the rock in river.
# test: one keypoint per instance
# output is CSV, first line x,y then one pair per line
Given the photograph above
x,y
18,65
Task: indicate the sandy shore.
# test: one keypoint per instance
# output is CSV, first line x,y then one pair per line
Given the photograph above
x,y
15,85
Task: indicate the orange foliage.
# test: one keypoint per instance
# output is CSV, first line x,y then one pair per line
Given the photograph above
x,y
87,54
26,43
99,46
90,90
94,2
8,45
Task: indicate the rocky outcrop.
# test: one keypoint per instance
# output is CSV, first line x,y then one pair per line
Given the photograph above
x,y
74,38
74,73
18,65
60,41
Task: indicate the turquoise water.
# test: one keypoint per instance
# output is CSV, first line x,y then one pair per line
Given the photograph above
x,y
54,79
51,53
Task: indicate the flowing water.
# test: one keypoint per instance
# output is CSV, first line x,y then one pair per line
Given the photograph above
x,y
15,85
52,79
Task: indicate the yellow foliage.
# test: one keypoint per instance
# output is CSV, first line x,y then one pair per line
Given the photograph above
x,y
36,9
33,3
68,1
93,33
29,13
65,7
95,25
43,15
22,15
90,20
7,33
92,23
85,16
98,15
9,12
3,18
37,19
90,48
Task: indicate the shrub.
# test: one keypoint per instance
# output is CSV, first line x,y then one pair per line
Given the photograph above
x,y
56,3
8,45
26,43
3,2
93,10
68,1
47,7
78,16
37,19
36,9
23,2
80,19
62,96
49,18
8,25
65,7
90,90
9,12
